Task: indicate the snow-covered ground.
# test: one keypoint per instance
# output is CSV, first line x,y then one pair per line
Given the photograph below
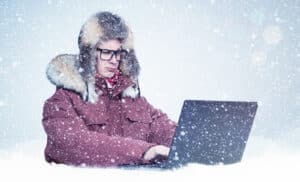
x,y
266,161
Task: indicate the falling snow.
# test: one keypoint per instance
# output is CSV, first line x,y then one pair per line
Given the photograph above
x,y
214,50
80,69
272,35
2,103
259,58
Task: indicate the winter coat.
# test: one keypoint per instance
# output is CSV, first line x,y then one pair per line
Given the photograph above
x,y
115,130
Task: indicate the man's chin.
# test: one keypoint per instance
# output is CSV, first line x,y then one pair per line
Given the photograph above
x,y
109,75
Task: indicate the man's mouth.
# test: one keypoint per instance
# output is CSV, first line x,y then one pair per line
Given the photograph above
x,y
111,69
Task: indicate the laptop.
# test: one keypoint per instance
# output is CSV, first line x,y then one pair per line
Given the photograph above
x,y
209,132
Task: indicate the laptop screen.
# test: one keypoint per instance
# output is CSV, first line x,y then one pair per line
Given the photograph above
x,y
212,132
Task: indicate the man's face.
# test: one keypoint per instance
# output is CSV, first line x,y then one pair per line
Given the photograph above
x,y
108,67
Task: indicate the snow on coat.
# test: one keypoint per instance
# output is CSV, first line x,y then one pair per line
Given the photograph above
x,y
115,130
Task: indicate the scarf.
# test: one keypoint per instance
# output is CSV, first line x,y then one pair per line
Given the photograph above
x,y
113,80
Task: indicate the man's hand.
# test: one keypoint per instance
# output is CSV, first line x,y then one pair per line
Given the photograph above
x,y
156,151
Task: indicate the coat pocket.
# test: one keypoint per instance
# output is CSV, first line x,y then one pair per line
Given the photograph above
x,y
92,114
94,119
136,110
137,125
141,117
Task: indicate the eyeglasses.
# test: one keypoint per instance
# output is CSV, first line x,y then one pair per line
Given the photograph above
x,y
107,54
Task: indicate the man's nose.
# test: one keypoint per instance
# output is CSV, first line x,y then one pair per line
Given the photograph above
x,y
114,60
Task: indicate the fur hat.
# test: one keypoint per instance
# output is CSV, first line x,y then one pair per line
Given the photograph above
x,y
77,72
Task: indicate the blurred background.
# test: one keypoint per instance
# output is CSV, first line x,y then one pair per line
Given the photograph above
x,y
209,50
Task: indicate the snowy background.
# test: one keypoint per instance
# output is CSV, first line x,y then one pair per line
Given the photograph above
x,y
210,50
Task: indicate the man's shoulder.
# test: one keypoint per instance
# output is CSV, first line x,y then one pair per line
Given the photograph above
x,y
64,94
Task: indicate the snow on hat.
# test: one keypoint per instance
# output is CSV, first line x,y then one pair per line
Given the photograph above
x,y
101,27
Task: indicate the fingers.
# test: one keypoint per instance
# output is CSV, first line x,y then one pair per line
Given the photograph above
x,y
150,154
158,151
162,150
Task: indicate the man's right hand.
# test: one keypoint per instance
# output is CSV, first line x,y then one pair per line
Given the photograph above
x,y
156,151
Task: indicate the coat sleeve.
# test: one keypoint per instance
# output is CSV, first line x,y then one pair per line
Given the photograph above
x,y
162,128
75,144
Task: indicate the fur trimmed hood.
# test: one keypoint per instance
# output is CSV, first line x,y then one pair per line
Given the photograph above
x,y
77,72
63,71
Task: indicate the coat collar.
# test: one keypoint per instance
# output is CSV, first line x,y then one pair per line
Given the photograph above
x,y
122,84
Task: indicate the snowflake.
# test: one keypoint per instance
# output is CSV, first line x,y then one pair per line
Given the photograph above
x,y
176,158
80,69
272,35
15,64
2,103
259,58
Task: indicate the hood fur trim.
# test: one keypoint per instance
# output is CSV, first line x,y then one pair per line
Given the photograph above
x,y
64,71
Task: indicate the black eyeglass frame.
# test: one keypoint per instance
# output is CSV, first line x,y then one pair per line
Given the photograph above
x,y
122,52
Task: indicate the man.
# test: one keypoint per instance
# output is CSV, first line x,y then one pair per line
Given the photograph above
x,y
96,116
